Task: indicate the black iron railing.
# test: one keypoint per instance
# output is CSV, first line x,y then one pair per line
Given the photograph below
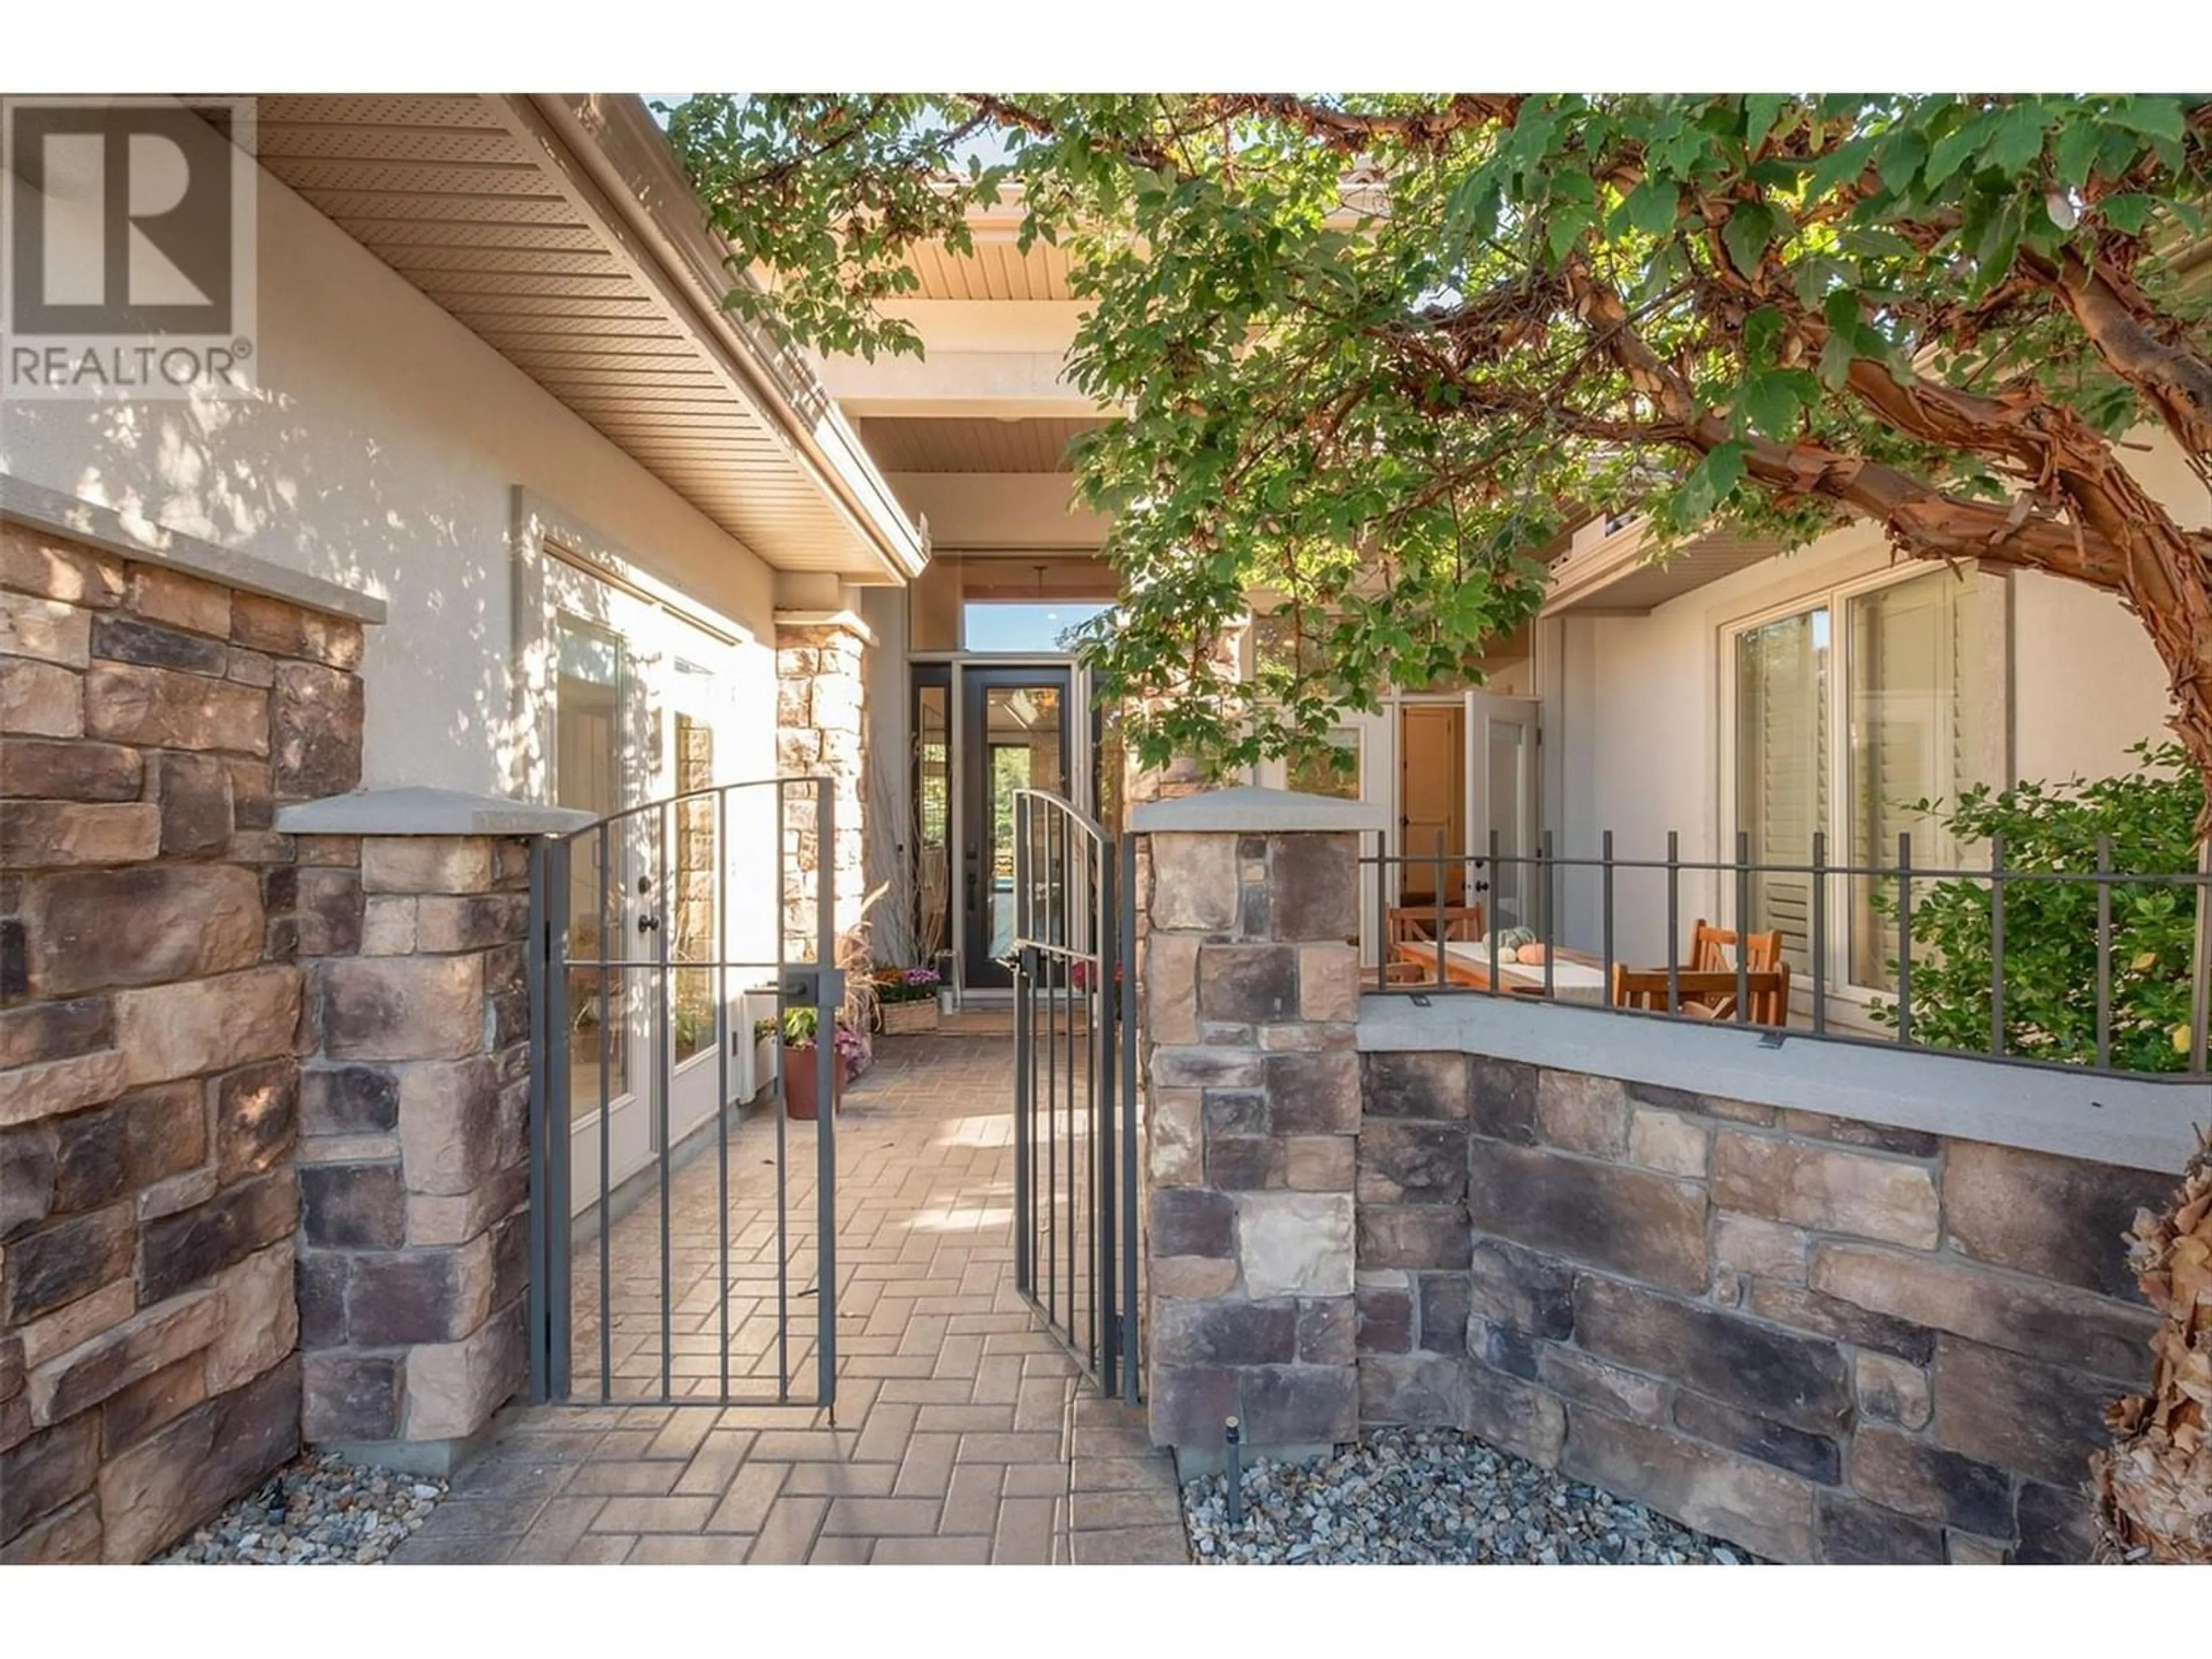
x,y
2098,1019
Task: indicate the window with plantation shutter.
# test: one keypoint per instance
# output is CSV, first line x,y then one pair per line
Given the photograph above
x,y
1893,693
1782,767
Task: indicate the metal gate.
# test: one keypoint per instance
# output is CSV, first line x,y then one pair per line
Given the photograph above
x,y
682,1220
1076,1244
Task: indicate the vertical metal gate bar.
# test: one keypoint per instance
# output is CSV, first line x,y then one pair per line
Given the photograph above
x,y
664,1082
724,1037
1743,931
1124,1001
606,1029
782,1128
825,1096
560,1091
1102,1134
1060,872
533,970
1051,1239
1022,1197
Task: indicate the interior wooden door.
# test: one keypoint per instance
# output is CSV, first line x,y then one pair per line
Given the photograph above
x,y
1432,802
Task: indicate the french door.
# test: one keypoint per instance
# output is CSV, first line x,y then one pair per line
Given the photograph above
x,y
1466,782
1501,773
1014,735
639,699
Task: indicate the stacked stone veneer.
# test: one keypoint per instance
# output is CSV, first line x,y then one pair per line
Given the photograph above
x,y
1824,1339
414,1178
150,1030
821,732
1250,996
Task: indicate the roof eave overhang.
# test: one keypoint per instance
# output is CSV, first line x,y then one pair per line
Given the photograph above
x,y
614,154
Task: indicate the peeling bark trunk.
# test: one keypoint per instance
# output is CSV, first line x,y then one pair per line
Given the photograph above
x,y
2155,1487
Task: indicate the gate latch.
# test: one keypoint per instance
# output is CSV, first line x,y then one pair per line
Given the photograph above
x,y
806,985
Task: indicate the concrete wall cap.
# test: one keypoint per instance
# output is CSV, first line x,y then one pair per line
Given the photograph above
x,y
1247,810
2144,1122
419,811
103,527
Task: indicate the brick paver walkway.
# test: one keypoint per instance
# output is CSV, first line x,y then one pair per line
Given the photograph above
x,y
962,1434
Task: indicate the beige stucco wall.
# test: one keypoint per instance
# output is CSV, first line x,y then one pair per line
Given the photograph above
x,y
2086,683
382,453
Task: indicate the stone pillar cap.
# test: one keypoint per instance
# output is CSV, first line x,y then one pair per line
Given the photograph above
x,y
1247,810
417,809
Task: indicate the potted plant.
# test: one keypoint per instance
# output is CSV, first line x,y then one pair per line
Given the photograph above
x,y
801,1055
908,999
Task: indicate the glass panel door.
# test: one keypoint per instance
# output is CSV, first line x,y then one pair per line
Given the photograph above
x,y
592,702
1014,736
933,813
1502,732
1910,742
692,896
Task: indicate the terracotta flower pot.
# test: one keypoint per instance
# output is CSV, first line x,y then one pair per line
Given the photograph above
x,y
799,1098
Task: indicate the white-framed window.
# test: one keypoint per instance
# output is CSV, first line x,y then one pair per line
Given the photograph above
x,y
1841,713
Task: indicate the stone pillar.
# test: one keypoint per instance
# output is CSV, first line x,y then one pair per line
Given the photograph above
x,y
414,1173
1251,999
821,730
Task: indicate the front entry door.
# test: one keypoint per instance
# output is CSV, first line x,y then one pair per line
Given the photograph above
x,y
1013,736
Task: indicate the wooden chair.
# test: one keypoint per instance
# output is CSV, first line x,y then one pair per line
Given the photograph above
x,y
1712,950
1711,947
1706,993
1409,922
1417,923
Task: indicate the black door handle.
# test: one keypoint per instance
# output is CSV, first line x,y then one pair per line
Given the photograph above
x,y
648,923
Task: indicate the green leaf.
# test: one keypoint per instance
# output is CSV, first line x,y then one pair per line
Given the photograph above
x,y
2154,117
2018,137
1761,330
1994,256
1652,207
1770,402
2077,148
2127,213
1568,223
1847,161
1900,158
1759,110
1746,233
1835,358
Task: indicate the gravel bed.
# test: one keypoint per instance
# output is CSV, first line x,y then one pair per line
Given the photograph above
x,y
1431,1495
316,1510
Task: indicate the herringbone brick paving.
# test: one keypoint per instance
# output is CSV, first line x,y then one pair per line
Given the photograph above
x,y
960,1432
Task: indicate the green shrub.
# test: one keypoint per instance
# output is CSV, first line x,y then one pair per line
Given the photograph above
x,y
2050,926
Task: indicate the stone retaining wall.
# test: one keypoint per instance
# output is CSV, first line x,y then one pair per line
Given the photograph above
x,y
1823,1339
150,1030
